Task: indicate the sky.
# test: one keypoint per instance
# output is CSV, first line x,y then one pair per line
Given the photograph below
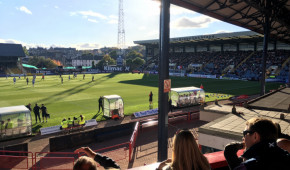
x,y
93,24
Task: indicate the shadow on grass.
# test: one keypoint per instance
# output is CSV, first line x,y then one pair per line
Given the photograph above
x,y
112,75
35,129
77,89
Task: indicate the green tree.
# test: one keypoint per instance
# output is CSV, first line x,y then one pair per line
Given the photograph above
x,y
134,54
106,60
25,51
113,54
41,62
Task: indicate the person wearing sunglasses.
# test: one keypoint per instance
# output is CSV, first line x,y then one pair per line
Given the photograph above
x,y
261,150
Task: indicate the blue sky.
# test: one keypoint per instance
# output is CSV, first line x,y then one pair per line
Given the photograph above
x,y
90,24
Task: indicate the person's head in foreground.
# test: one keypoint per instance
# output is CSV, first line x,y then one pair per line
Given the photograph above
x,y
257,130
186,154
85,163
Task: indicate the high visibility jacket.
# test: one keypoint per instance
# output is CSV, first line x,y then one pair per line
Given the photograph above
x,y
2,127
70,122
9,125
64,124
76,122
82,122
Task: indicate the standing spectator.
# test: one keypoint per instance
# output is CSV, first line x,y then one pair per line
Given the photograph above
x,y
43,113
261,150
185,154
101,104
36,112
27,80
28,106
14,80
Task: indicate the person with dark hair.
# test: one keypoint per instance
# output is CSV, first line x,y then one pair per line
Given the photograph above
x,y
101,104
261,150
28,106
150,100
89,163
36,112
43,113
185,154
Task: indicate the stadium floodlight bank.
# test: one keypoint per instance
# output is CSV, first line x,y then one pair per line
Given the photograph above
x,y
113,105
187,96
15,122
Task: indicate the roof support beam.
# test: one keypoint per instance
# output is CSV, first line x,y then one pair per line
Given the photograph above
x,y
163,106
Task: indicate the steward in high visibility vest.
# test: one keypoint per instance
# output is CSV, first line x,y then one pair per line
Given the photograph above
x,y
70,122
2,126
75,121
20,120
9,124
82,120
64,124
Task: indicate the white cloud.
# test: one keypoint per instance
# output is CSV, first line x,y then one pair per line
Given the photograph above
x,y
189,23
92,20
141,28
83,46
56,7
221,31
10,41
24,9
176,10
91,14
154,33
113,16
113,21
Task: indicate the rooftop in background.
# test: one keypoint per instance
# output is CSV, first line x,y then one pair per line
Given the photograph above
x,y
11,50
278,100
246,14
243,36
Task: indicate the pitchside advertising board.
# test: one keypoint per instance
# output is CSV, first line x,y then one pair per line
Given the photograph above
x,y
116,68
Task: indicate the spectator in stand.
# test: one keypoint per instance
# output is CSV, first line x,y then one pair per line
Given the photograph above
x,y
185,154
261,150
89,163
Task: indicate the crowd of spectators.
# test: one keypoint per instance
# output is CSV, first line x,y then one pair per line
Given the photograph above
x,y
236,64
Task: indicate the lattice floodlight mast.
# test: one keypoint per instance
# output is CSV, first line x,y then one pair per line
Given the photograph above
x,y
121,30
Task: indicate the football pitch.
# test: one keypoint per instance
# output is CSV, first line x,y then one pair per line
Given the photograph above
x,y
80,96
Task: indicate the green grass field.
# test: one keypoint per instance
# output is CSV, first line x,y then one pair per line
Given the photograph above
x,y
78,96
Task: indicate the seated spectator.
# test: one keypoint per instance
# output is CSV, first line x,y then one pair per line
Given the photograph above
x,y
75,122
88,163
82,120
261,150
64,124
185,154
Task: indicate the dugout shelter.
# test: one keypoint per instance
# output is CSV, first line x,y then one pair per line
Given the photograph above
x,y
113,106
187,96
15,122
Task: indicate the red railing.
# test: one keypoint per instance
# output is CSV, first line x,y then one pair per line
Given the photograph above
x,y
16,160
133,140
55,160
116,152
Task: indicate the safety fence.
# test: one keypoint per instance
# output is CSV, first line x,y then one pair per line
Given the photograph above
x,y
19,160
133,140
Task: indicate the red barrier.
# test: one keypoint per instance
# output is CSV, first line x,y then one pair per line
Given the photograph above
x,y
55,160
116,154
16,160
133,140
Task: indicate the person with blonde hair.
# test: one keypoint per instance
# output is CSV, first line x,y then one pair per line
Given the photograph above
x,y
185,154
85,163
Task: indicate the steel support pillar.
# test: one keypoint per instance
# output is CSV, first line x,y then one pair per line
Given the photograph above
x,y
265,49
163,75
